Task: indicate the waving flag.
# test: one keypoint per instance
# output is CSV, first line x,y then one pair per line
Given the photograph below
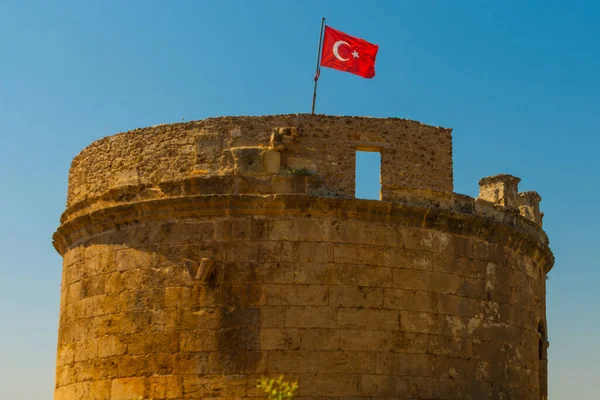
x,y
348,53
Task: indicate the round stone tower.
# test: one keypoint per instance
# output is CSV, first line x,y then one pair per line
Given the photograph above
x,y
200,256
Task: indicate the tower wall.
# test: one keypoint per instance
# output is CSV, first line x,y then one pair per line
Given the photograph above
x,y
193,287
243,155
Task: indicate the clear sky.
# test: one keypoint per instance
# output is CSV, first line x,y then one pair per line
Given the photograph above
x,y
518,81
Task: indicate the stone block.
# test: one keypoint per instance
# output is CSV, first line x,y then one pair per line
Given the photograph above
x,y
364,275
450,346
237,362
426,388
321,273
205,270
409,259
329,384
297,295
86,349
457,246
233,229
298,361
110,346
379,235
127,388
398,364
411,300
199,340
529,206
356,297
320,339
202,386
199,318
365,340
66,354
272,317
252,273
258,252
345,231
473,288
248,161
309,252
410,279
321,362
301,164
434,366
207,150
500,189
390,386
357,254
310,317
279,339
420,322
73,391
289,184
271,160
195,363
410,343
100,264
487,251
462,266
73,256
368,319
166,387
132,259
446,283
423,239
458,306
303,230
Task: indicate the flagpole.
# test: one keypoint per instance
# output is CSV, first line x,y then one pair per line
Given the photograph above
x,y
317,73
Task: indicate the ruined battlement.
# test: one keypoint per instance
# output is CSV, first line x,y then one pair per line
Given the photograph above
x,y
244,155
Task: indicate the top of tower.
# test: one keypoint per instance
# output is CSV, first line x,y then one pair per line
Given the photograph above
x,y
219,164
263,155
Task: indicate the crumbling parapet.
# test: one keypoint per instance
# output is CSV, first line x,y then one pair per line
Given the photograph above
x,y
254,150
500,189
529,206
503,190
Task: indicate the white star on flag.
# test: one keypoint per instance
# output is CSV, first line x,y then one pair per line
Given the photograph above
x,y
355,54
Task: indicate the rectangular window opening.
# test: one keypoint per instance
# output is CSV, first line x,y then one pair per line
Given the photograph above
x,y
368,173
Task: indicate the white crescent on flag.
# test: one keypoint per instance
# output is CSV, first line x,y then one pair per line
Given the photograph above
x,y
336,47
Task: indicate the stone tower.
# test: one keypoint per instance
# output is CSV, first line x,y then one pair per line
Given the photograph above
x,y
199,256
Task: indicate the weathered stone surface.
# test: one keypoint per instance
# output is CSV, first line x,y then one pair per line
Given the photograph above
x,y
200,256
500,189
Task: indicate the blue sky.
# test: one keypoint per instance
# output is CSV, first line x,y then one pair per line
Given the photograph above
x,y
517,81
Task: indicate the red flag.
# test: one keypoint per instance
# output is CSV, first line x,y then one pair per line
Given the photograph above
x,y
348,53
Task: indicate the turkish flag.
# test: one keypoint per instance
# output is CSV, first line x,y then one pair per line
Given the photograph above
x,y
348,53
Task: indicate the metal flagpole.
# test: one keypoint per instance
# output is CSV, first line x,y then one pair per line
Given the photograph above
x,y
318,72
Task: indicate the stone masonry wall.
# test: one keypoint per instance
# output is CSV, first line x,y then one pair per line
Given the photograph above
x,y
413,154
362,307
200,256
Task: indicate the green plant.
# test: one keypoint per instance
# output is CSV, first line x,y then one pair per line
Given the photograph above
x,y
277,389
298,171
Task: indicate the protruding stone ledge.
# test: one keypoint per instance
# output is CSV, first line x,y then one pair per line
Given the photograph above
x,y
529,206
500,189
451,213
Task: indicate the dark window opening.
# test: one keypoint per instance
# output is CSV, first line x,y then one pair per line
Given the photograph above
x,y
368,174
543,363
542,342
